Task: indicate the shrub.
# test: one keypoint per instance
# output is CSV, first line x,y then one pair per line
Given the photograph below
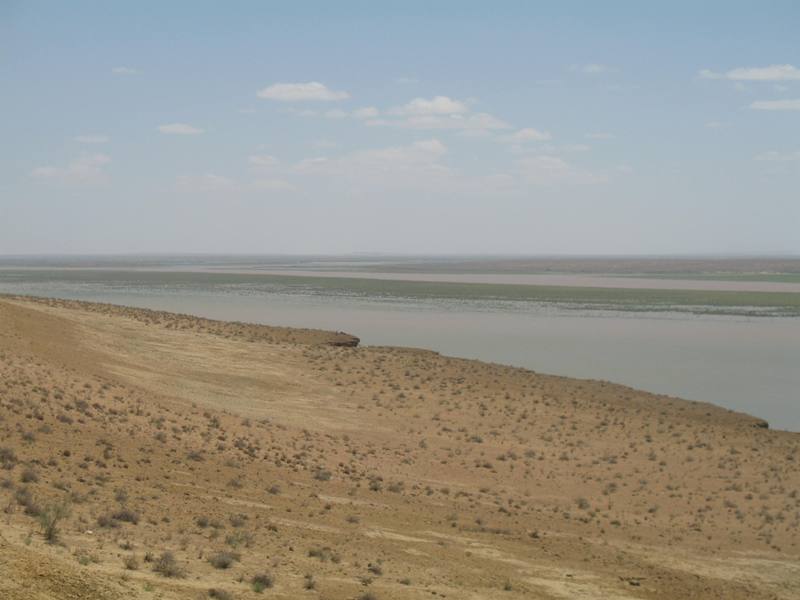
x,y
7,458
219,594
107,521
239,538
29,476
322,475
324,554
126,515
261,582
238,520
223,560
49,519
166,565
130,563
25,499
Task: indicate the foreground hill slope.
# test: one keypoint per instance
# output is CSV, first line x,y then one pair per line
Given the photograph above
x,y
151,455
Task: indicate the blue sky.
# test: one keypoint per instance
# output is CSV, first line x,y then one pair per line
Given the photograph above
x,y
442,127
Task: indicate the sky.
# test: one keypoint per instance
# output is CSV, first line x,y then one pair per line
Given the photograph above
x,y
400,127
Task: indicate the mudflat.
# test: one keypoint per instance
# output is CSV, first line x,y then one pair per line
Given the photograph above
x,y
146,454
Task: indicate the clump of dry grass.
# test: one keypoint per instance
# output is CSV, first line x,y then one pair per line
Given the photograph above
x,y
167,565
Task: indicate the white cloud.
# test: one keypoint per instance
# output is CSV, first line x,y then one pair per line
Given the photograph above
x,y
272,185
211,183
708,74
770,73
528,134
437,113
92,139
323,144
262,160
416,165
548,170
774,156
465,123
776,105
208,182
576,148
303,112
292,92
336,113
124,71
593,69
83,170
366,112
438,105
179,129
600,135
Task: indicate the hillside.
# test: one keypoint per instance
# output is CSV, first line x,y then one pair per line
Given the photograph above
x,y
168,456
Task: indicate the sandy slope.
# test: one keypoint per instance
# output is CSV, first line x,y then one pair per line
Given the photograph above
x,y
385,471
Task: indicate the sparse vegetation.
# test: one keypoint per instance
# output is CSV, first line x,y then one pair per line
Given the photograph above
x,y
223,560
167,565
449,456
261,582
50,520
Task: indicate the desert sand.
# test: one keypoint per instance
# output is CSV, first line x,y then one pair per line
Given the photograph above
x,y
151,455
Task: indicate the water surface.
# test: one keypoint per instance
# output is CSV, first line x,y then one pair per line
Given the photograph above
x,y
743,363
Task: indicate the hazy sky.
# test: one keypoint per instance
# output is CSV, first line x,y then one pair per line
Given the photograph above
x,y
491,127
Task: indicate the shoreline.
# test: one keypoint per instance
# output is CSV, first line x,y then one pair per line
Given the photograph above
x,y
348,340
188,449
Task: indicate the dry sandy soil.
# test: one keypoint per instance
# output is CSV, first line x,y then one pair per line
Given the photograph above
x,y
151,455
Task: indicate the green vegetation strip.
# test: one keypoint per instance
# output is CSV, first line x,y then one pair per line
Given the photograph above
x,y
696,301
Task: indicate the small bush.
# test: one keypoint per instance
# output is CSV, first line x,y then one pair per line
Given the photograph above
x,y
24,498
219,594
166,565
223,560
322,475
309,583
8,459
324,554
130,562
107,522
29,476
49,519
262,582
126,515
238,520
